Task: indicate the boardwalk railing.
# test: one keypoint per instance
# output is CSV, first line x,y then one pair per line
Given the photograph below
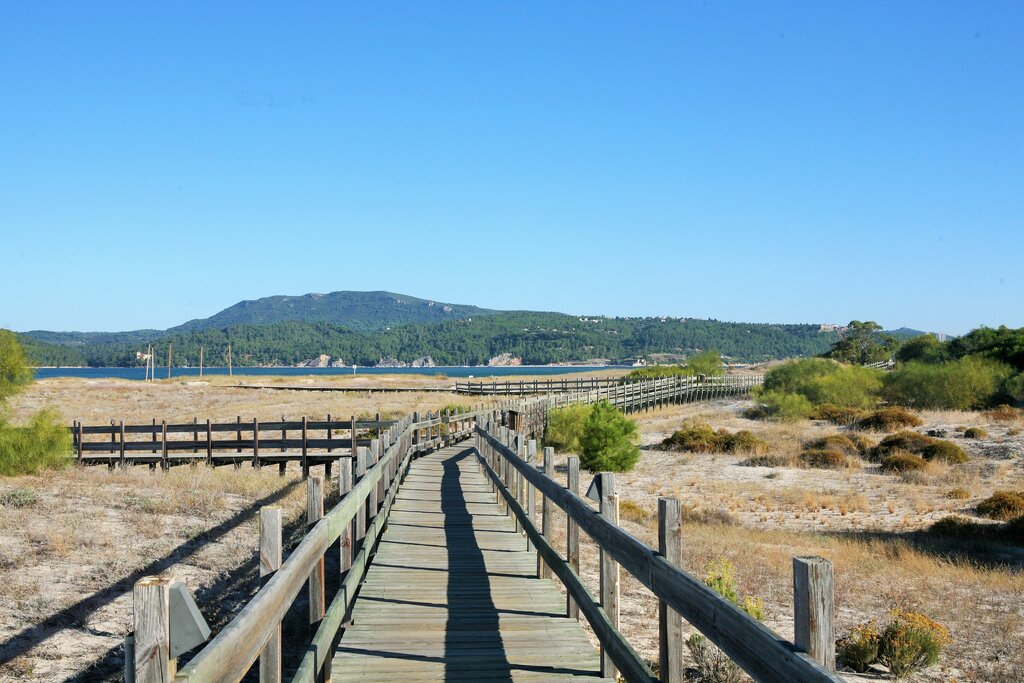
x,y
760,652
367,486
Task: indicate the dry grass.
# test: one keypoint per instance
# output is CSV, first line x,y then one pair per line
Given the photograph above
x,y
869,524
67,561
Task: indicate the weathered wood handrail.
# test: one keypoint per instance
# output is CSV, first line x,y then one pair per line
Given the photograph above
x,y
752,645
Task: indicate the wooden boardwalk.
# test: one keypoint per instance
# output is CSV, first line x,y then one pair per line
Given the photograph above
x,y
452,593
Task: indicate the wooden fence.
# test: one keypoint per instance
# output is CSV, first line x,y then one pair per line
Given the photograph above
x,y
367,485
503,455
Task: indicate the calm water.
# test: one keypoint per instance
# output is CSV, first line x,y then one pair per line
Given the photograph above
x,y
140,373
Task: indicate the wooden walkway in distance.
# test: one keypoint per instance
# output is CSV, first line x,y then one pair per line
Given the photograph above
x,y
452,593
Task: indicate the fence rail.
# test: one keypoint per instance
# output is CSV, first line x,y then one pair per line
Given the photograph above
x,y
748,642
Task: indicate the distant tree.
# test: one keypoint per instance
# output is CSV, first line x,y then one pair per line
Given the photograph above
x,y
14,370
863,343
706,363
925,349
608,442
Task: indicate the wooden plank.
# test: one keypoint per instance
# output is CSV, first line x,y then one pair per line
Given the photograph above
x,y
452,593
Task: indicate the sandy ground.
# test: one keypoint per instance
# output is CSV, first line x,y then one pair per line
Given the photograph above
x,y
68,560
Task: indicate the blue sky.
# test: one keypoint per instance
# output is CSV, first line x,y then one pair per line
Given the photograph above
x,y
784,162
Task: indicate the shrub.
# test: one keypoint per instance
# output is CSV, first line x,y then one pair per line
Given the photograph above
x,y
824,459
18,497
780,406
608,442
767,461
903,462
911,642
1004,413
44,443
702,438
835,442
1002,505
965,384
890,419
823,381
859,650
959,493
696,438
944,451
975,433
710,662
565,427
912,442
838,415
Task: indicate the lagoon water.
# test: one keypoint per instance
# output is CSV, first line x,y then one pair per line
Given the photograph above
x,y
477,372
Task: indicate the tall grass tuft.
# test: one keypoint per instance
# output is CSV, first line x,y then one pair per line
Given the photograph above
x,y
43,444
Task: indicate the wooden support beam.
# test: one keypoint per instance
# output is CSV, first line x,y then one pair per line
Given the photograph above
x,y
270,562
670,624
813,608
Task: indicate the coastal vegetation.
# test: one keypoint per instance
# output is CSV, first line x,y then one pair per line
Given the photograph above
x,y
536,338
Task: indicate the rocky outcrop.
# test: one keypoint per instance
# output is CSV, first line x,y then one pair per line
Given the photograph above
x,y
504,360
322,361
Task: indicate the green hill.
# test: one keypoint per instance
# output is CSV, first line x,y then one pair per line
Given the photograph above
x,y
364,311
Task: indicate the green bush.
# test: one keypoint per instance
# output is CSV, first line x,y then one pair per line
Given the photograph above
x,y
966,384
18,497
905,441
859,650
823,381
975,433
944,451
911,642
900,462
824,459
565,427
848,445
712,664
702,438
780,406
889,419
44,443
838,415
1002,505
608,442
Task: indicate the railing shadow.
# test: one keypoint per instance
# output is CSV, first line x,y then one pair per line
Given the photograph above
x,y
472,616
72,615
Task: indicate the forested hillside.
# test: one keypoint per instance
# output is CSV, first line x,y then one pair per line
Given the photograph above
x,y
537,338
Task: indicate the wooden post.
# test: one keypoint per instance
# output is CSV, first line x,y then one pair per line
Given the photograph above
x,y
124,462
543,570
255,443
609,567
305,449
572,533
152,623
361,456
344,486
270,562
163,449
670,624
314,513
813,607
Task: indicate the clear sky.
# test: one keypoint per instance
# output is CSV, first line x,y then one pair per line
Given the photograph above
x,y
759,161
